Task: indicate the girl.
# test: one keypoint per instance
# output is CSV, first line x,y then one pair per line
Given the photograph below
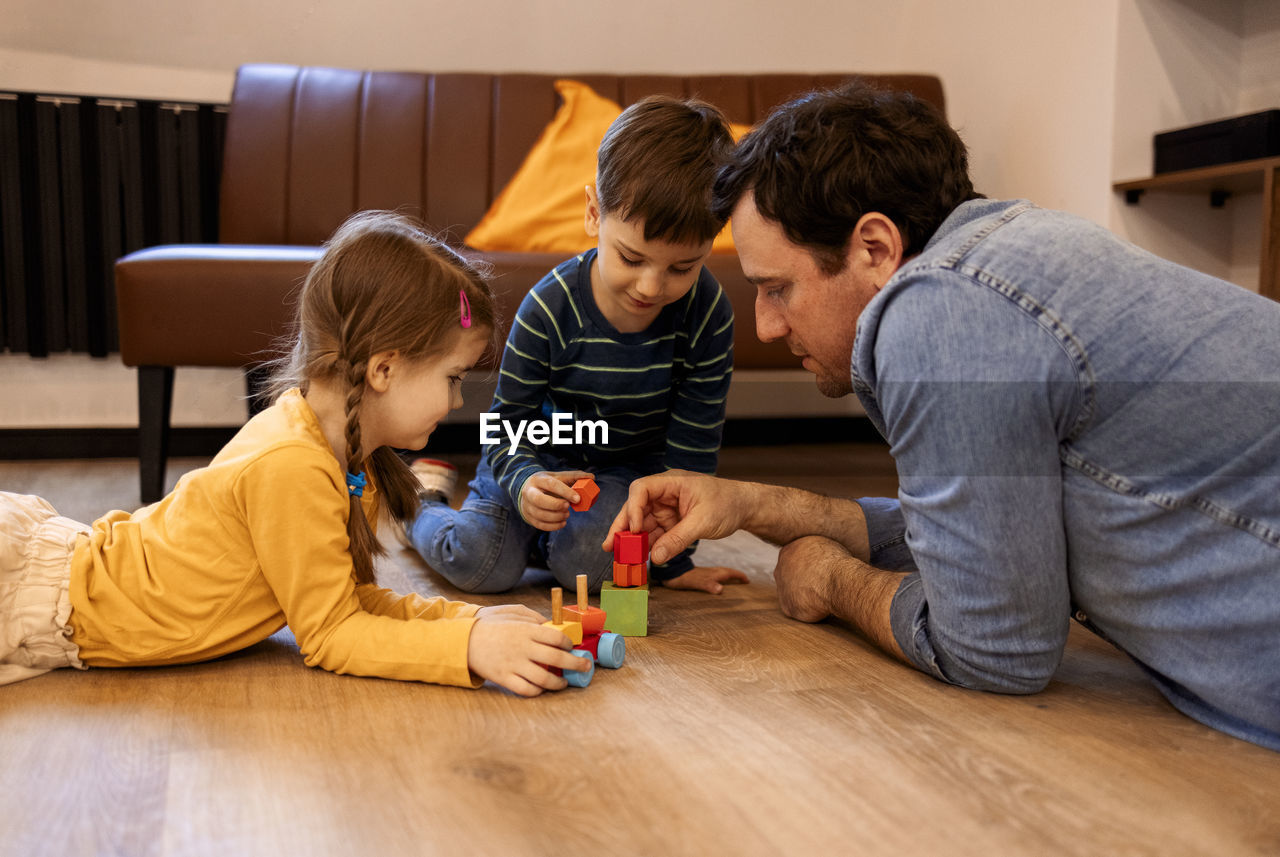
x,y
279,527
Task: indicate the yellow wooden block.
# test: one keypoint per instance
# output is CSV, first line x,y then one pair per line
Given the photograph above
x,y
572,630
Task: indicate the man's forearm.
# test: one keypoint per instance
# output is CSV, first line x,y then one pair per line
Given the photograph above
x,y
781,515
862,595
817,578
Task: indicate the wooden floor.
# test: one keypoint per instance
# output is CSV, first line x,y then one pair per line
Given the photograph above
x,y
729,730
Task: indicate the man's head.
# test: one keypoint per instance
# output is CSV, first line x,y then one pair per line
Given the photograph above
x,y
829,195
820,162
650,208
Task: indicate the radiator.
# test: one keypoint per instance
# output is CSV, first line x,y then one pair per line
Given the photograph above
x,y
83,181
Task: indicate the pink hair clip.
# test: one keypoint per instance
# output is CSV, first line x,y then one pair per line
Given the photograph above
x,y
466,308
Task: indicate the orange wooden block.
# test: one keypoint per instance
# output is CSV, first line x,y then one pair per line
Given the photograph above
x,y
588,491
592,619
630,574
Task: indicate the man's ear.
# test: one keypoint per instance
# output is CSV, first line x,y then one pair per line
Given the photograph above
x,y
382,366
876,244
592,219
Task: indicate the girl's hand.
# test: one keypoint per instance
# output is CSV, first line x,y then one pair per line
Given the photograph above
x,y
515,654
511,612
546,495
708,579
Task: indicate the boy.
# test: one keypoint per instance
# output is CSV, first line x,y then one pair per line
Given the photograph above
x,y
634,333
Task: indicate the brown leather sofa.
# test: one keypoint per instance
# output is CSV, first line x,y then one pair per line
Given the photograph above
x,y
305,147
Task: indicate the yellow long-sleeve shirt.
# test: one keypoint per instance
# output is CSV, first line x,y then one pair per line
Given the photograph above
x,y
253,541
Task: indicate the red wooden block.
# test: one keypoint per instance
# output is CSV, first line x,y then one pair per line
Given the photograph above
x,y
588,491
592,619
631,548
615,649
590,643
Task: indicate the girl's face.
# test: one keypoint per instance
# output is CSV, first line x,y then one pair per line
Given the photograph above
x,y
406,399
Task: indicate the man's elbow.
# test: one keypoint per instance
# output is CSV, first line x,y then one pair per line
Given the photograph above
x,y
1010,674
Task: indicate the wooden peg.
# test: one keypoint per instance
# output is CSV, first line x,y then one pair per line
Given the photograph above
x,y
567,625
591,618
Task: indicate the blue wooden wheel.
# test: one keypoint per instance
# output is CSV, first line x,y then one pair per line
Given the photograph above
x,y
581,679
612,650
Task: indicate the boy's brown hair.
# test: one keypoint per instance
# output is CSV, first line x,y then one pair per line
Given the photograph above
x,y
657,163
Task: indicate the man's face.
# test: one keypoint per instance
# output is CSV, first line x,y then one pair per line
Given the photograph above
x,y
816,314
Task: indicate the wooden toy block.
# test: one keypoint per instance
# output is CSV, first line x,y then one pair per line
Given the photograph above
x,y
591,618
581,679
588,491
626,610
572,630
632,574
592,621
631,548
609,649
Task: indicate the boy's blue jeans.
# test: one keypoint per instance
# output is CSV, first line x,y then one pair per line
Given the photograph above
x,y
486,545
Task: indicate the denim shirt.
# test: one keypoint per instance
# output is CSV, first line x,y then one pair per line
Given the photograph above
x,y
1080,429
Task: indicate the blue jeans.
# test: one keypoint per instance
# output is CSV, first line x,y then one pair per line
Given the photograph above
x,y
1081,430
485,546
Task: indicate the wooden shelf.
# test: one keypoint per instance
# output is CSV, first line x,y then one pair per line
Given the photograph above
x,y
1219,183
1240,177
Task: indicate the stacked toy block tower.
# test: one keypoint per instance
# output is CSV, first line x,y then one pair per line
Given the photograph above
x,y
626,599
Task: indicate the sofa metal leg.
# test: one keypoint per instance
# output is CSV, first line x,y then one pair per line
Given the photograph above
x,y
155,399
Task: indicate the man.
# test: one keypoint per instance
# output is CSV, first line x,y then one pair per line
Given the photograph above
x,y
1080,428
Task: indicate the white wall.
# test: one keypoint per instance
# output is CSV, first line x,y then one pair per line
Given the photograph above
x,y
1034,87
1180,63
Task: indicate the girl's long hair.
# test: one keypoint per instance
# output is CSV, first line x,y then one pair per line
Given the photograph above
x,y
383,284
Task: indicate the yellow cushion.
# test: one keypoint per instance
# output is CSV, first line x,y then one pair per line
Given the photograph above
x,y
541,209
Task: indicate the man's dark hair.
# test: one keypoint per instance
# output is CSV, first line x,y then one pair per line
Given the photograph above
x,y
820,162
657,162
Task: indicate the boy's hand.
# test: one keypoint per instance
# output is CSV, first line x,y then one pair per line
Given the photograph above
x,y
546,495
707,578
515,654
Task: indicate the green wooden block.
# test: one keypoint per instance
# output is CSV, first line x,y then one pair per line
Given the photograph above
x,y
626,609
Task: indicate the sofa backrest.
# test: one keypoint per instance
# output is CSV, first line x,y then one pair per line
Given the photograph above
x,y
306,146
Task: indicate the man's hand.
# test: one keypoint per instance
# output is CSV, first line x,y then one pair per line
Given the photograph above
x,y
678,508
708,579
546,495
818,577
803,576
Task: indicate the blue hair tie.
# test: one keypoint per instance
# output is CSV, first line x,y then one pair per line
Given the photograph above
x,y
356,483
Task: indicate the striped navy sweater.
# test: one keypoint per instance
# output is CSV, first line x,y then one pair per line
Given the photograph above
x,y
661,391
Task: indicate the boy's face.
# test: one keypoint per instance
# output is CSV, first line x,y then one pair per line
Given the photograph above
x,y
633,279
